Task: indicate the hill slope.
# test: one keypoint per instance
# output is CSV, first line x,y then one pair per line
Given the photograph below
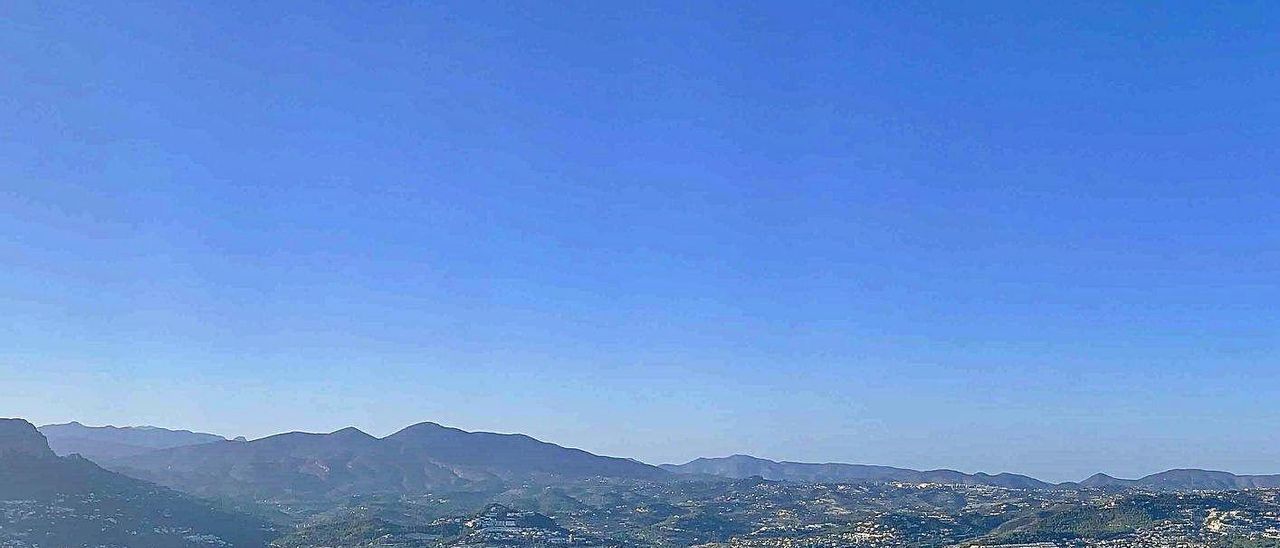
x,y
513,456
1185,479
69,501
421,458
745,466
108,442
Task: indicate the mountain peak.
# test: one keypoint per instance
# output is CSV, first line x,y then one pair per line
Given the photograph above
x,y
427,427
351,432
18,436
1103,481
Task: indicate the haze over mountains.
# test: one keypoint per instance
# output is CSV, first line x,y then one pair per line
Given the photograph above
x,y
1187,479
107,442
348,488
69,501
419,458
745,466
427,456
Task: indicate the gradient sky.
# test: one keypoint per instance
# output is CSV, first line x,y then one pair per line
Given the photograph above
x,y
1013,236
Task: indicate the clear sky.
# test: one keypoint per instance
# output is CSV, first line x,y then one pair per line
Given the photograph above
x,y
1019,236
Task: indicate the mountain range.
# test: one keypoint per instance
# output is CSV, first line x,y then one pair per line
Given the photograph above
x,y
430,457
155,488
1185,479
49,500
745,466
418,459
108,442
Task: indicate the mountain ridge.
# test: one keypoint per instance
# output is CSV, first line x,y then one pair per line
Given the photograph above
x,y
71,501
428,455
417,459
741,466
107,442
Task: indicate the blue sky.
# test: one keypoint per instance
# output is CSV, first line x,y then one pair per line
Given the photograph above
x,y
990,236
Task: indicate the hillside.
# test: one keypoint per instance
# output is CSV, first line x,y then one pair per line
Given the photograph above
x,y
745,466
419,459
69,501
495,525
513,456
107,442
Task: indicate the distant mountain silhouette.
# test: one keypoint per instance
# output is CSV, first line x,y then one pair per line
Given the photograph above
x,y
745,466
513,456
420,458
429,457
70,501
107,442
1188,479
296,465
1102,481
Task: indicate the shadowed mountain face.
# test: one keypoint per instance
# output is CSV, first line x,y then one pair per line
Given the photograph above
x,y
290,466
419,459
745,466
70,501
108,442
19,437
513,456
